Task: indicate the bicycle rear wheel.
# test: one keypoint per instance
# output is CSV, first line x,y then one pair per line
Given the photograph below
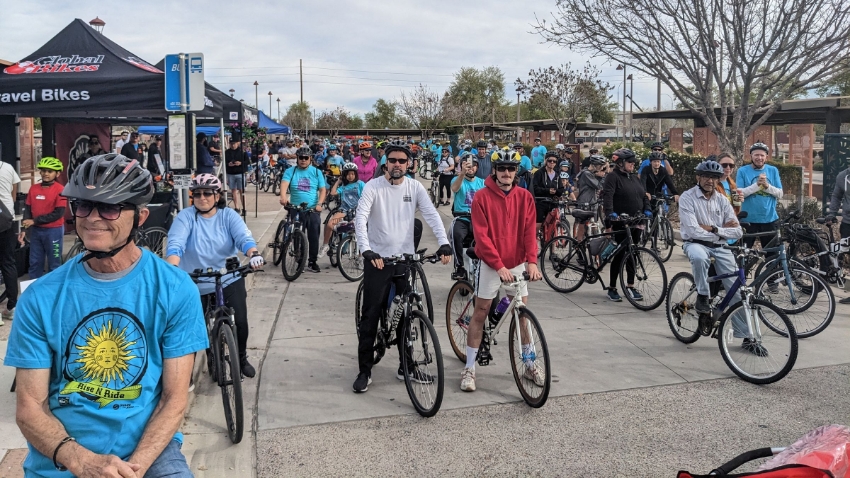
x,y
757,353
459,308
294,255
349,261
563,264
422,361
664,239
155,239
650,278
277,245
815,301
682,316
529,358
230,381
265,183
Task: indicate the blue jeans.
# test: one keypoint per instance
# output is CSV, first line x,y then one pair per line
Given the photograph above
x,y
724,263
45,242
170,463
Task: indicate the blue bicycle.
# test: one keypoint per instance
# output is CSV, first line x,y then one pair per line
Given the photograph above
x,y
756,338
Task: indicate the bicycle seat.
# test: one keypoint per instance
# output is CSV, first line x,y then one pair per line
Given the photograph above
x,y
470,252
742,215
422,251
583,215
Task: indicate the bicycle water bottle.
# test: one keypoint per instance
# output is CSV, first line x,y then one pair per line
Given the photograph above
x,y
608,250
501,307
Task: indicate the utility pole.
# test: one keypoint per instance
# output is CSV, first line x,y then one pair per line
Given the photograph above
x,y
623,67
257,95
658,108
301,75
631,105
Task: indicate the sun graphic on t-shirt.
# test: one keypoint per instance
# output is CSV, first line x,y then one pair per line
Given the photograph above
x,y
105,355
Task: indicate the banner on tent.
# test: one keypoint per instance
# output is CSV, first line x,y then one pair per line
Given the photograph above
x,y
72,142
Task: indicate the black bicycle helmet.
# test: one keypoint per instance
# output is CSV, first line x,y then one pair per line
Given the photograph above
x,y
656,155
760,146
709,168
551,154
657,144
625,155
598,160
397,146
304,151
111,179
481,144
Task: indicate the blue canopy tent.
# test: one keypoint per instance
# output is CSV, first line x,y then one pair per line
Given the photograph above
x,y
160,129
272,126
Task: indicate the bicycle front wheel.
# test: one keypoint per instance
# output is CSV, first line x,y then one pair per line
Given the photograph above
x,y
664,241
333,247
349,261
529,358
755,352
275,186
421,284
230,381
358,304
681,308
459,308
155,240
814,304
422,361
563,264
294,255
277,245
650,278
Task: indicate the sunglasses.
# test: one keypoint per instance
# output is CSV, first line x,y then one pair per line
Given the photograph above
x,y
303,157
727,165
502,169
552,161
110,212
394,161
198,194
656,149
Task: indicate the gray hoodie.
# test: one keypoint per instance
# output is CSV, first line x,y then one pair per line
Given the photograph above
x,y
841,195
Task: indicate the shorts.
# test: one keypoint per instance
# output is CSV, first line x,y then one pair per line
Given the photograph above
x,y
488,283
236,182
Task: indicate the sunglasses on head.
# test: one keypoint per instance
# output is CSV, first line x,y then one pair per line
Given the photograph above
x,y
502,169
110,212
395,160
206,194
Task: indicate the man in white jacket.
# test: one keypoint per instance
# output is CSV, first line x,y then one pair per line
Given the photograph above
x,y
384,225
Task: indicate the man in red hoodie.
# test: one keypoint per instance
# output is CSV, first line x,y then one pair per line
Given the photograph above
x,y
503,223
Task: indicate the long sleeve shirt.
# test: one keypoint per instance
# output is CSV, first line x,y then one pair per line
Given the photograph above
x,y
623,193
653,183
840,197
385,214
696,210
759,203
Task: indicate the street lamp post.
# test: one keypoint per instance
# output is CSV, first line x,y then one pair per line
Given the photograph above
x,y
518,91
278,109
623,67
270,103
232,91
257,95
97,24
631,104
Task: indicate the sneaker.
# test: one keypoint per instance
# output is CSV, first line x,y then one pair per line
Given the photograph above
x,y
845,300
467,380
614,296
459,274
362,382
323,251
191,383
416,375
7,314
754,348
533,373
313,267
634,294
247,369
702,306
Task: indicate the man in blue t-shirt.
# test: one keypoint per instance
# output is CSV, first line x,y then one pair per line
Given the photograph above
x,y
104,345
306,184
762,188
464,188
538,153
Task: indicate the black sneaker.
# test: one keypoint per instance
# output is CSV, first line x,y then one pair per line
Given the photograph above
x,y
754,348
614,296
459,274
313,267
416,375
845,300
703,306
362,382
634,294
247,369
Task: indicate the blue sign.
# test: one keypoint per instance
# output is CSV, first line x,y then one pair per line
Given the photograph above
x,y
193,70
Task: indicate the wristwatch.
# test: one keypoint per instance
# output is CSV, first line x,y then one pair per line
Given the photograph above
x,y
714,229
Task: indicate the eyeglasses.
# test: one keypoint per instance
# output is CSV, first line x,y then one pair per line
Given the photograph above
x,y
110,212
395,160
552,161
502,169
303,157
728,165
657,149
198,194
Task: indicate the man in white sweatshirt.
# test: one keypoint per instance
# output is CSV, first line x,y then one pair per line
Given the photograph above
x,y
384,225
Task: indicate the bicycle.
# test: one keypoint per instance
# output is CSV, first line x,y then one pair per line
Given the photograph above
x,y
427,165
347,254
769,344
820,251
223,354
555,223
659,232
527,344
566,264
422,359
433,192
289,249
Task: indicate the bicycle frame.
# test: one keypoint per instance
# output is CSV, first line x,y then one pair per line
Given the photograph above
x,y
783,259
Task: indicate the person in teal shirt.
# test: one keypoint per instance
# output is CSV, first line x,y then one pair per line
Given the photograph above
x,y
762,188
306,184
464,188
538,154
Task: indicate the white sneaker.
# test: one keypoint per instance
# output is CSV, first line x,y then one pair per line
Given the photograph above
x,y
534,374
324,250
467,380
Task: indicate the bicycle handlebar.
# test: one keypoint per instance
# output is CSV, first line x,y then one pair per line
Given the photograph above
x,y
525,277
410,258
213,273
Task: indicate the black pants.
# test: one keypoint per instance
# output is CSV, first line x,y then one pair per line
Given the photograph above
x,y
235,297
616,262
313,223
376,284
461,230
844,230
417,233
446,182
9,265
761,227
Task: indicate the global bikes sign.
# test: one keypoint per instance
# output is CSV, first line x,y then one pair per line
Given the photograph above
x,y
56,64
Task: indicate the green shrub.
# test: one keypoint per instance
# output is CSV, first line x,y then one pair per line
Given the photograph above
x,y
818,166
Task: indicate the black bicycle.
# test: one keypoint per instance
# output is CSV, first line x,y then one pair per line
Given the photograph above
x,y
659,232
289,248
403,319
223,353
566,264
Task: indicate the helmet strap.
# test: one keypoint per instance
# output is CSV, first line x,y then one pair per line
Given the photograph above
x,y
107,254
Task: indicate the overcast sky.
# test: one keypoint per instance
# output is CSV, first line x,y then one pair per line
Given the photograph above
x,y
354,52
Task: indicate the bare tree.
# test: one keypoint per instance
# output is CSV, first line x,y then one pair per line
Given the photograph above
x,y
334,120
424,108
564,95
714,53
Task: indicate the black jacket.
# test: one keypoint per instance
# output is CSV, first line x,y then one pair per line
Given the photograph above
x,y
129,151
233,155
541,184
653,183
624,194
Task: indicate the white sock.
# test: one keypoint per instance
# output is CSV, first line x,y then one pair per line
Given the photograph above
x,y
528,350
471,354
